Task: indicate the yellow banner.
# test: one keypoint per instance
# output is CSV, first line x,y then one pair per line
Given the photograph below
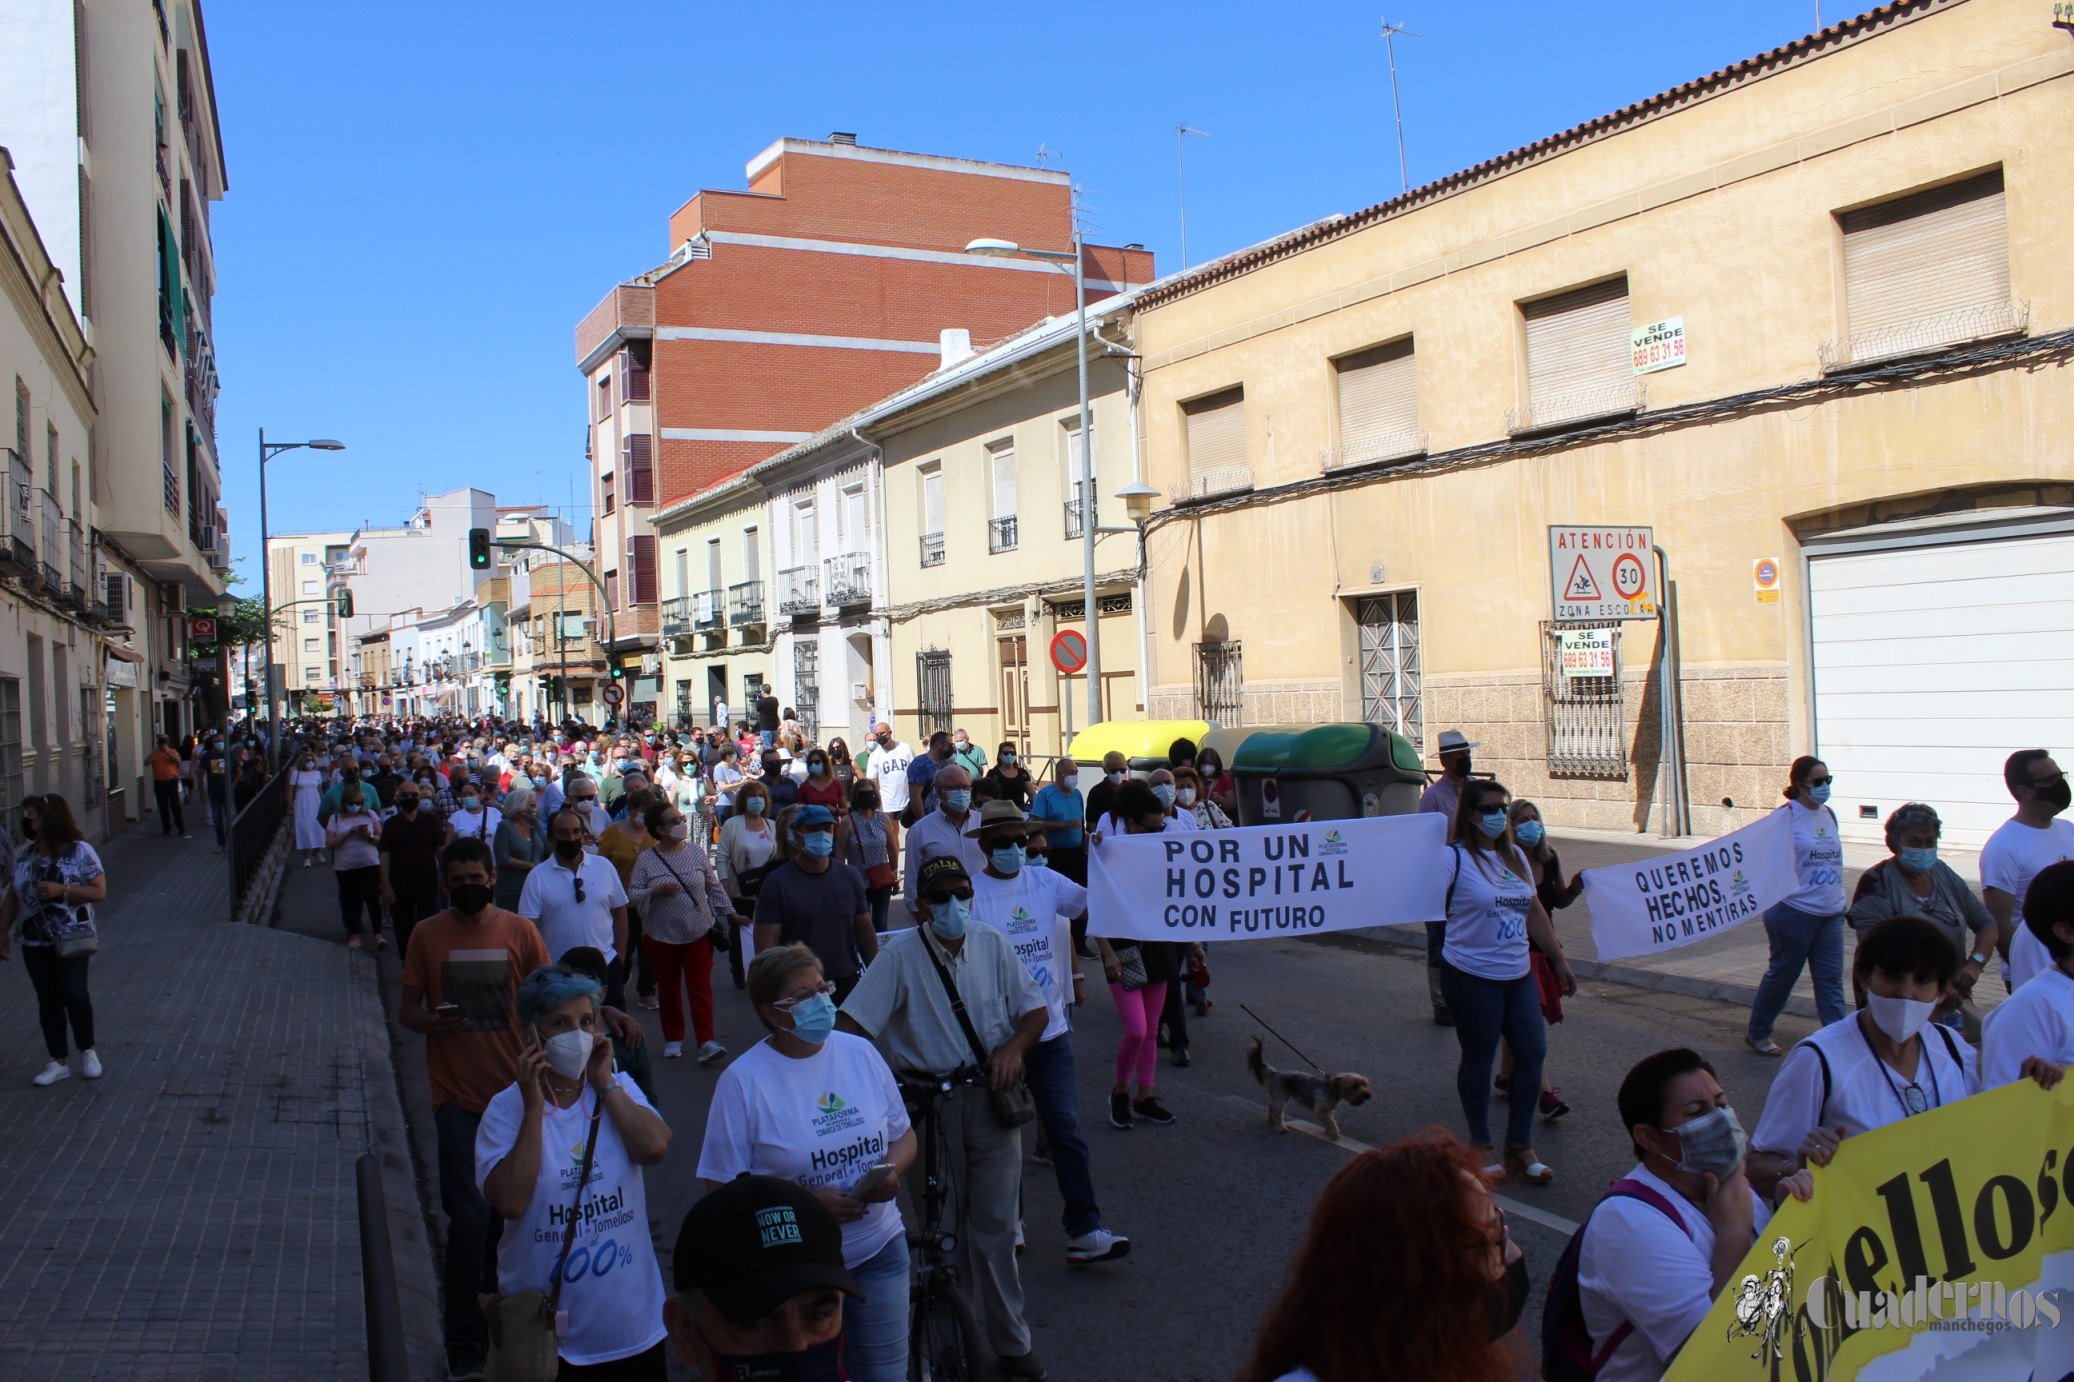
x,y
1940,1245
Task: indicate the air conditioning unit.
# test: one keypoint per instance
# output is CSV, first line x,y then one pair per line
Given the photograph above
x,y
121,594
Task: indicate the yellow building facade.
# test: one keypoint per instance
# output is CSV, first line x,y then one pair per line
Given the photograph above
x,y
1807,319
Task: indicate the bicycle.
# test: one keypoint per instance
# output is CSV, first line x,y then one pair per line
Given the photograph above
x,y
943,1337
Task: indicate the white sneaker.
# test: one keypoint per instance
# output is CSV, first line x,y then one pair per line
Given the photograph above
x,y
711,1051
52,1073
673,1048
1099,1246
90,1065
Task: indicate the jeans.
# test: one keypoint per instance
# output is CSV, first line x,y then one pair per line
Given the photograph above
x,y
875,1329
651,1364
1799,938
682,970
1174,1013
880,899
1053,1085
360,890
167,796
1436,937
1486,1010
219,814
638,964
473,1229
415,900
60,993
769,737
1138,1052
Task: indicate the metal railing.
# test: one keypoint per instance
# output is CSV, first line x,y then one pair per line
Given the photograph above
x,y
745,603
1581,405
1387,446
1226,480
75,563
386,1361
676,617
1072,519
848,579
50,523
1924,334
18,544
799,590
932,549
1001,534
251,834
715,616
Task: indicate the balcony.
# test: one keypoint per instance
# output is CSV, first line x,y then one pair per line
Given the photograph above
x,y
1236,479
709,611
1925,335
1604,403
49,526
932,549
18,550
75,549
1072,520
1001,534
745,603
848,579
676,617
799,591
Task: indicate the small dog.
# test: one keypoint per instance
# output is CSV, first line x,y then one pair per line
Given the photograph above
x,y
1321,1094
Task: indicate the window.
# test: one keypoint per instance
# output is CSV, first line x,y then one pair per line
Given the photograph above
x,y
750,566
21,421
805,532
1001,534
633,375
1073,515
312,674
60,703
931,479
1579,362
309,559
38,730
683,570
311,616
1216,427
604,396
166,449
309,587
1586,721
1378,406
11,751
312,645
713,581
637,460
641,570
1220,683
1390,677
933,673
851,525
1927,270
605,489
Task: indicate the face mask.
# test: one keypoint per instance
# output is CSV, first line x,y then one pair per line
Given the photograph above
x,y
470,898
1899,1018
1819,794
816,769
867,803
1527,833
569,1052
1465,764
1508,1298
2059,795
753,805
1714,1144
1186,796
821,1363
1918,860
948,917
470,803
354,808
1165,792
679,831
1115,778
568,850
957,798
814,1019
818,844
1007,859
1069,782
1492,823
407,805
1007,758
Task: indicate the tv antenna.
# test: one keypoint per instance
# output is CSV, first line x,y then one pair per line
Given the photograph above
x,y
1389,36
1181,133
1046,157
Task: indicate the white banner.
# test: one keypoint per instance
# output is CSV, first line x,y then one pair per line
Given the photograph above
x,y
1269,880
1673,900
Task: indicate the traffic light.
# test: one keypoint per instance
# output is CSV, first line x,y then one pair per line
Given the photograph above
x,y
618,673
345,602
479,548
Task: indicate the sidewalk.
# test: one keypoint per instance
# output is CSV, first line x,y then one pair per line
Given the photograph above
x,y
193,1213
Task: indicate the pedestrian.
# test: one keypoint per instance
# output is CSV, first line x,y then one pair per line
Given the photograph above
x,y
2038,1019
521,844
784,791
923,772
460,991
814,899
888,767
1874,1066
872,844
476,819
1408,1273
1443,797
216,788
624,842
1189,796
1913,881
1011,780
1138,973
766,1119
2021,846
409,844
251,782
753,1303
905,1003
678,891
576,898
1102,793
1485,977
839,764
1217,783
1193,988
1063,809
57,878
821,787
164,762
1035,907
583,800
1554,893
568,1096
942,831
1670,1236
356,863
767,718
748,851
1807,926
720,713
968,755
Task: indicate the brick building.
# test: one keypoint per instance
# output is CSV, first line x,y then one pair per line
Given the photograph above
x,y
839,277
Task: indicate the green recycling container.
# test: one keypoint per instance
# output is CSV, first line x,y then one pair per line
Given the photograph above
x,y
1326,772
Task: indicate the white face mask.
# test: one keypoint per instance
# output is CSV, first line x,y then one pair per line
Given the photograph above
x,y
679,831
1186,796
1899,1018
569,1052
1069,782
1115,778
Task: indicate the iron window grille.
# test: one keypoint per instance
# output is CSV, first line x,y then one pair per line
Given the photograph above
x,y
1586,717
933,673
1220,683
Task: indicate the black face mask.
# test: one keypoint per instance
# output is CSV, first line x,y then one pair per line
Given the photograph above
x,y
2059,796
568,849
407,805
1464,762
470,898
820,1363
1507,1299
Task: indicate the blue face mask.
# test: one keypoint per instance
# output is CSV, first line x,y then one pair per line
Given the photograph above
x,y
948,917
1918,860
1492,823
1036,861
1527,833
1819,795
1165,792
1007,758
957,798
1007,859
818,844
814,1019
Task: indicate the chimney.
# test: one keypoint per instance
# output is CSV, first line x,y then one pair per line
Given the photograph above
x,y
843,137
957,346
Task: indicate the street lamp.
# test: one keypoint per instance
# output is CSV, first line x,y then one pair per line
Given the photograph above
x,y
267,451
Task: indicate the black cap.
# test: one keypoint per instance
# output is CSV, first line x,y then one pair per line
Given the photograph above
x,y
757,1242
942,866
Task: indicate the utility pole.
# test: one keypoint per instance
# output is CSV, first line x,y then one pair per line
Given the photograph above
x,y
1390,32
1181,133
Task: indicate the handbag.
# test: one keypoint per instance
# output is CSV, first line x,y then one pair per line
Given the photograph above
x,y
1012,1107
1199,971
1132,961
526,1327
880,876
720,935
69,929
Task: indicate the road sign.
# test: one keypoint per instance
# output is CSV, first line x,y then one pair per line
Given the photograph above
x,y
1069,651
1600,573
202,628
615,694
1764,578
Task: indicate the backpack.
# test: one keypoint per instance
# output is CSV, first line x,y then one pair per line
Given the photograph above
x,y
1566,1344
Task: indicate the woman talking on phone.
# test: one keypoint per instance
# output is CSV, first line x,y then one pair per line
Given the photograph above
x,y
763,1121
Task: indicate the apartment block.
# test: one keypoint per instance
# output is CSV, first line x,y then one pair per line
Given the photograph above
x,y
307,651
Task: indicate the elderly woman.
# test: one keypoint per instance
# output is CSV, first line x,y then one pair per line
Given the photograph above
x,y
677,889
581,1235
768,1118
521,844
1915,882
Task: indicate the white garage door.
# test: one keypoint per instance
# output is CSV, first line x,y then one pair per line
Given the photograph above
x,y
1932,665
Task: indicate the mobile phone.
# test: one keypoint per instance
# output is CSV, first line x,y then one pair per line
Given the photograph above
x,y
873,1178
448,1010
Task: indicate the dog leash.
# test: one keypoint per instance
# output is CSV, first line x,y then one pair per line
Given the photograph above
x,y
1279,1037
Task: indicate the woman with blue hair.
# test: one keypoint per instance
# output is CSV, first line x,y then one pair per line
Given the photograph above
x,y
560,1153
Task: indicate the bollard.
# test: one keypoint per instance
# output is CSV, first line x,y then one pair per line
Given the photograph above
x,y
385,1358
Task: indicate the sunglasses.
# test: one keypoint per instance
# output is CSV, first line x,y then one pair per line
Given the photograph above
x,y
963,894
577,879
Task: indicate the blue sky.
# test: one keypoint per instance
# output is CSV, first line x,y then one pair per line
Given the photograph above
x,y
425,199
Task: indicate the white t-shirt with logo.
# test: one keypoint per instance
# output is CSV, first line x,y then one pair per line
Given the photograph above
x,y
2014,855
1487,916
611,1285
1818,862
2036,1020
888,768
1033,910
823,1122
1863,1092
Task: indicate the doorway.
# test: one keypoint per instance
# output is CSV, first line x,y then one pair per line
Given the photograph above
x,y
1015,692
716,689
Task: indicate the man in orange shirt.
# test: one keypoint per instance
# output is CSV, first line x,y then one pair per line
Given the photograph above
x,y
165,787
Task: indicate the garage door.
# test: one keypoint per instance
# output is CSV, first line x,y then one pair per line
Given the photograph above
x,y
1933,664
